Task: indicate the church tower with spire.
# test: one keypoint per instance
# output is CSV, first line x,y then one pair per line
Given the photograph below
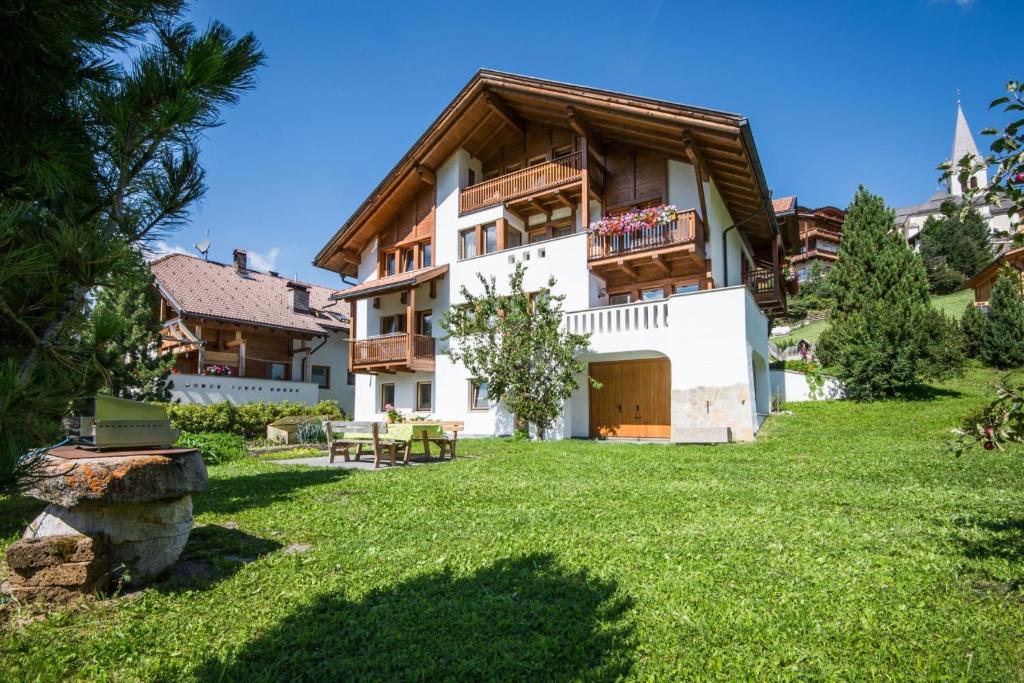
x,y
963,145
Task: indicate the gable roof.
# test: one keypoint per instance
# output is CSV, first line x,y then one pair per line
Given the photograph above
x,y
391,283
1015,256
207,289
723,142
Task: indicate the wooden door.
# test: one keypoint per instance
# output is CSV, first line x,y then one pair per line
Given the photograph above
x,y
633,401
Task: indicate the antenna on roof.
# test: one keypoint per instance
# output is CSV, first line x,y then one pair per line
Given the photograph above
x,y
204,246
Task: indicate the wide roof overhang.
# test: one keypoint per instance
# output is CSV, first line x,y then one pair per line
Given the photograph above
x,y
720,142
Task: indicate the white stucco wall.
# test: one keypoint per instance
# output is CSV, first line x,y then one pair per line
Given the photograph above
x,y
206,389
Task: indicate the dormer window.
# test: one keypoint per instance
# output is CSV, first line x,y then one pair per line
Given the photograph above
x,y
298,297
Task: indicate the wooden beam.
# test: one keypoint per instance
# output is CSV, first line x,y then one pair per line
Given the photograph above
x,y
564,201
410,323
584,183
539,208
660,264
700,171
426,175
518,215
627,269
351,332
579,124
506,114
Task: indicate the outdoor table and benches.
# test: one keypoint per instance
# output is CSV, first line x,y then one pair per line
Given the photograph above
x,y
354,439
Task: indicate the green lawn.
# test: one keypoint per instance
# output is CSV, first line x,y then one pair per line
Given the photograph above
x,y
844,544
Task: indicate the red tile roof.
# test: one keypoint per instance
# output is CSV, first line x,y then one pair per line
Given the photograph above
x,y
208,289
390,283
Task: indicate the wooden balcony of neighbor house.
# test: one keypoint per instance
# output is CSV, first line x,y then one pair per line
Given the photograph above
x,y
393,352
685,236
538,184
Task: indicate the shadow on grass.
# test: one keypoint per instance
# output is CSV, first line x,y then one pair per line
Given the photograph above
x,y
234,494
518,619
16,512
927,392
213,553
999,538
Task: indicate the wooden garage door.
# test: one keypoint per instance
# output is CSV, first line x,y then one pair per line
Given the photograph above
x,y
633,401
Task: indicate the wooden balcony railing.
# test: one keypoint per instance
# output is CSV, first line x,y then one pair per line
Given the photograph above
x,y
391,348
560,171
687,227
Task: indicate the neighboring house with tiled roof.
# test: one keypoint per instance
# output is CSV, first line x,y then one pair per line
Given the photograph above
x,y
983,281
820,233
241,335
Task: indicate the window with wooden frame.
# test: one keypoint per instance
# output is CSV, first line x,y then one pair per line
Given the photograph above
x,y
424,323
652,294
489,238
390,260
470,178
387,396
392,324
408,259
478,400
620,298
513,238
351,379
321,376
424,397
537,160
426,255
277,371
467,243
686,288
561,152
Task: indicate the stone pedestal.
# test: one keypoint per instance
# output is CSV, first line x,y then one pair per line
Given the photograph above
x,y
132,510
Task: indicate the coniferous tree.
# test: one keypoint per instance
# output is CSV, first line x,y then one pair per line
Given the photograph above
x,y
954,246
95,159
1003,345
884,337
136,371
973,323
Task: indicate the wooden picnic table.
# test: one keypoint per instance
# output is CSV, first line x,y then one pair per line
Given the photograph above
x,y
410,432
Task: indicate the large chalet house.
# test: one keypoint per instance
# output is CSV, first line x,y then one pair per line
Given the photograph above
x,y
240,335
522,170
820,234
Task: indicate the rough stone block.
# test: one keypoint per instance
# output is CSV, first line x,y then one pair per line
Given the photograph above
x,y
120,479
32,553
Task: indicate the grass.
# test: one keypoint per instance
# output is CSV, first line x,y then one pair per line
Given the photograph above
x,y
846,543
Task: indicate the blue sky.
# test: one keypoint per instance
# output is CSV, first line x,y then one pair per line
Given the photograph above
x,y
837,94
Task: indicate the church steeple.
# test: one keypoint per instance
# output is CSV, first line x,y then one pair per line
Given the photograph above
x,y
963,144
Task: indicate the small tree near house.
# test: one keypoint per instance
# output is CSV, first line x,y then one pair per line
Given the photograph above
x,y
517,344
1003,342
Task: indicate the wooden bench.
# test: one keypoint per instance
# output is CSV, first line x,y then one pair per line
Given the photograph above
x,y
448,442
343,444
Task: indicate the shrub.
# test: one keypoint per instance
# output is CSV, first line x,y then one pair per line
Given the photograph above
x,y
972,328
1003,343
995,424
311,432
217,447
248,420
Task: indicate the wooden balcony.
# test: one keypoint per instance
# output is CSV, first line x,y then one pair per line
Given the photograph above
x,y
765,283
530,183
687,229
393,352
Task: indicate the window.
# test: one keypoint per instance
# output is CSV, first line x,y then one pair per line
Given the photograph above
x,y
424,397
467,243
471,179
321,374
351,379
564,230
561,152
408,260
652,294
277,370
424,323
537,161
513,238
685,289
392,324
616,299
426,255
387,396
390,263
538,236
490,238
512,168
478,396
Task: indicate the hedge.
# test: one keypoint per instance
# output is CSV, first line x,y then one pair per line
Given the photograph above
x,y
217,448
248,420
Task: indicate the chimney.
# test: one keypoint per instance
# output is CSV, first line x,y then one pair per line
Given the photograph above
x,y
241,261
298,297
